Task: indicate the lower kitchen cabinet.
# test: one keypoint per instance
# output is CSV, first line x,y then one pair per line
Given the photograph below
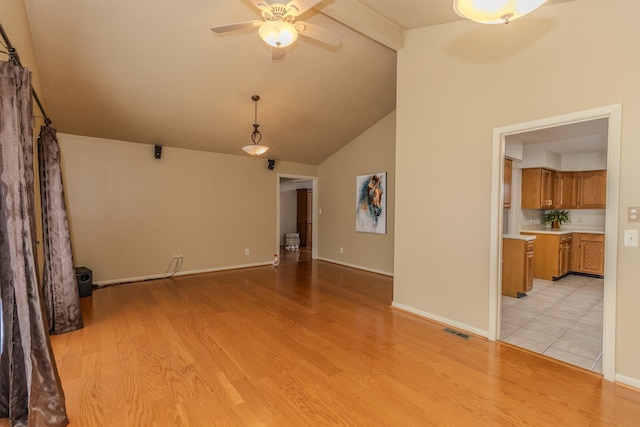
x,y
517,267
588,253
553,255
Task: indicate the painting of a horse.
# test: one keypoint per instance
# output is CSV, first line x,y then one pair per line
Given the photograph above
x,y
371,203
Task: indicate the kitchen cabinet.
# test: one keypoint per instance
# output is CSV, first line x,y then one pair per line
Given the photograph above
x,y
508,173
592,189
566,191
553,255
588,253
546,189
564,262
538,188
517,267
305,215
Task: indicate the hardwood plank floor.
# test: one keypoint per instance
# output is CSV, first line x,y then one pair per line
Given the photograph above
x,y
308,343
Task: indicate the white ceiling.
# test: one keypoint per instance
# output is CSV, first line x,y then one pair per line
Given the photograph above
x,y
151,71
583,137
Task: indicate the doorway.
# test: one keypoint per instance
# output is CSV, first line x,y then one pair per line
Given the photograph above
x,y
290,189
613,115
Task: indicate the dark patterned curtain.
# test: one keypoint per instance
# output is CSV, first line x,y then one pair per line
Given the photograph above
x,y
30,390
59,285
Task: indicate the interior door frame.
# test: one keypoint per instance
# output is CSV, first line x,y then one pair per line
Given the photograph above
x,y
314,225
614,115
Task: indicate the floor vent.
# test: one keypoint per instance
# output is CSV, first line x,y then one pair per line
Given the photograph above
x,y
454,332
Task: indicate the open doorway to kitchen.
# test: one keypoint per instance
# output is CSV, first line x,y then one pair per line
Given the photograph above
x,y
575,298
297,197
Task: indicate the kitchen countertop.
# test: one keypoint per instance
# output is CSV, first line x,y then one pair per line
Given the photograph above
x,y
563,231
518,237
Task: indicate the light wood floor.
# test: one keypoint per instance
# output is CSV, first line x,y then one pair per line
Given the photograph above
x,y
311,343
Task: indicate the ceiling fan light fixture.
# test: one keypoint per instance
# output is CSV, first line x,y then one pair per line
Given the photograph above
x,y
255,149
278,33
495,11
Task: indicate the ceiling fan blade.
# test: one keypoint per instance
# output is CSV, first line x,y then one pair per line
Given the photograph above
x,y
298,7
318,33
277,53
237,26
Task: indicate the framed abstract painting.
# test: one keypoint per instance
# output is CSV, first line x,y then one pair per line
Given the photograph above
x,y
371,203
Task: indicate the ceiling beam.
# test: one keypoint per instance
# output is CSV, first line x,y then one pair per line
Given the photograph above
x,y
359,17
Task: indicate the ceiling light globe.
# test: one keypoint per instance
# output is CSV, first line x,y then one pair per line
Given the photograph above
x,y
255,149
278,33
495,11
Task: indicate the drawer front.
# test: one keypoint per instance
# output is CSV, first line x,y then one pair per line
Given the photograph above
x,y
592,237
566,238
529,246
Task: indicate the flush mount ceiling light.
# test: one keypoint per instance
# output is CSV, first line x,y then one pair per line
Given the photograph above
x,y
255,149
495,11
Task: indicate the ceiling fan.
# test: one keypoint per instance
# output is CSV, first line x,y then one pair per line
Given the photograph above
x,y
279,27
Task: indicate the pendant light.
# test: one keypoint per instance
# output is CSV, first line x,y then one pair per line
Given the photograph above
x,y
495,11
255,149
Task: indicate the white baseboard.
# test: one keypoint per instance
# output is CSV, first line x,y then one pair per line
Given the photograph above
x,y
633,382
441,319
359,267
180,273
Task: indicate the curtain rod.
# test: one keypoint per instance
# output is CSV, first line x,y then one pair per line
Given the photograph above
x,y
13,56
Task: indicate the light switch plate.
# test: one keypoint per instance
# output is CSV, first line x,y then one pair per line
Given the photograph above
x,y
631,238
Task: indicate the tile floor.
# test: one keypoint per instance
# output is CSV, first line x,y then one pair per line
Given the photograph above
x,y
560,319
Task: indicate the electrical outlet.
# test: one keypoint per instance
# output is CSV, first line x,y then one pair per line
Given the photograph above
x,y
341,250
246,251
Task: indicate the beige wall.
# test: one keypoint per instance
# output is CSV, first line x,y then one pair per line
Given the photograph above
x,y
131,213
371,152
459,81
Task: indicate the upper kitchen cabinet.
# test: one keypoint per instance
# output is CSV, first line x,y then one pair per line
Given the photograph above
x,y
538,188
508,168
592,189
566,191
546,189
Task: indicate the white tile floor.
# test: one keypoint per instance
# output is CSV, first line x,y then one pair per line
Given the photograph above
x,y
561,319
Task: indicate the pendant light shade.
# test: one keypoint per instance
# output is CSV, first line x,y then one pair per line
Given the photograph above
x,y
255,149
278,33
495,11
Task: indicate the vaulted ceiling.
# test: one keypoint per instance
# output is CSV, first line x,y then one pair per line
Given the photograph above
x,y
151,71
